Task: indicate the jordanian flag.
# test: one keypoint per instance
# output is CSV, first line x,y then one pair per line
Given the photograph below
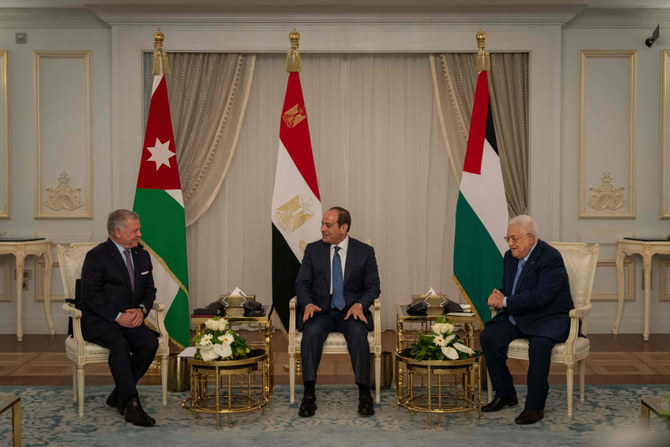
x,y
481,211
159,202
296,203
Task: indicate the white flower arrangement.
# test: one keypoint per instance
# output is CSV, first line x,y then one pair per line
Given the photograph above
x,y
217,342
440,344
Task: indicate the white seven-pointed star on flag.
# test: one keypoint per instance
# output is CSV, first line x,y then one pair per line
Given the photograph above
x,y
161,153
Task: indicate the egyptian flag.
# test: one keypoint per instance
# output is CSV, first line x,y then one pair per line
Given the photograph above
x,y
481,210
296,203
159,203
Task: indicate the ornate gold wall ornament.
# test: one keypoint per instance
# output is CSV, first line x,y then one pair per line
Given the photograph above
x,y
294,213
293,116
606,195
63,196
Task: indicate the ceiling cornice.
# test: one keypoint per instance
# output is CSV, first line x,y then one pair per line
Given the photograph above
x,y
620,18
136,15
49,18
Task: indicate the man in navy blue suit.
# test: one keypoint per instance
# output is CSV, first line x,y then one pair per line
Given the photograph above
x,y
534,303
117,290
337,283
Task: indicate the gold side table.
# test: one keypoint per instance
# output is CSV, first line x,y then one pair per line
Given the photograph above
x,y
14,402
445,386
655,405
406,336
264,339
234,389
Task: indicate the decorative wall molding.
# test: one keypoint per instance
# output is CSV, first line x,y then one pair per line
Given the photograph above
x,y
621,18
629,280
4,136
665,126
594,135
665,281
51,139
5,277
606,195
63,196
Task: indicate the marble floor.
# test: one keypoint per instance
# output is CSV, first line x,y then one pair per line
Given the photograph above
x,y
620,359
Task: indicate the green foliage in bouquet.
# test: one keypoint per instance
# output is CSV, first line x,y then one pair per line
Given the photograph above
x,y
217,342
440,344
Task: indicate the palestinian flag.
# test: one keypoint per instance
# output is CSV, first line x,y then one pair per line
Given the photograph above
x,y
481,210
296,203
159,202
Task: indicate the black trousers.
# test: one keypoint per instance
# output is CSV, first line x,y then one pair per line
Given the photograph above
x,y
495,339
316,331
131,351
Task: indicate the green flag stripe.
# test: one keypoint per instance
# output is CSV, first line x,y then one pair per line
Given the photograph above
x,y
477,261
167,236
177,320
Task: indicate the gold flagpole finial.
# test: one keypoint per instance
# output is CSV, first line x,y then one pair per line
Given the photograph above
x,y
160,56
293,55
483,58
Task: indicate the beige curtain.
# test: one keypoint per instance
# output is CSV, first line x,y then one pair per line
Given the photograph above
x,y
378,152
208,95
454,81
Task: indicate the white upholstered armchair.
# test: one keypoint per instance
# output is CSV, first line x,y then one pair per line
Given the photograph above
x,y
82,352
334,344
580,262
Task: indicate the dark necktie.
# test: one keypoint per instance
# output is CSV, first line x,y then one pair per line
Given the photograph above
x,y
129,266
338,283
516,279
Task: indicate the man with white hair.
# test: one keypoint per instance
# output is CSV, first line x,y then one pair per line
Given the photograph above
x,y
534,303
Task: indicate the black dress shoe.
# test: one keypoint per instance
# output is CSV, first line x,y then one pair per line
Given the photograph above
x,y
113,401
529,416
498,404
135,414
307,406
366,406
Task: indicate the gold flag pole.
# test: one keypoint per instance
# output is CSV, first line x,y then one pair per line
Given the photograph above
x,y
160,56
293,55
483,58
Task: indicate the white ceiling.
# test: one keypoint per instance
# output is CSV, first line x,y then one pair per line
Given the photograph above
x,y
335,3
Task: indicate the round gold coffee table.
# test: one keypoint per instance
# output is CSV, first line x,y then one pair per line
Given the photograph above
x,y
439,386
234,391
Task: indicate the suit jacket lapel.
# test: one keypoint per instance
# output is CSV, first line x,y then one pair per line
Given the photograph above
x,y
530,264
350,259
324,259
114,252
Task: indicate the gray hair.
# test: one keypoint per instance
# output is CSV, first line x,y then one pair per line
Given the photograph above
x,y
118,219
527,222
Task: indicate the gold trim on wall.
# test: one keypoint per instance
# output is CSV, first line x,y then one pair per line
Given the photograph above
x,y
585,213
665,146
629,280
42,212
4,142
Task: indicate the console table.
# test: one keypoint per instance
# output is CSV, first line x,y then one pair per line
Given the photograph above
x,y
646,248
21,248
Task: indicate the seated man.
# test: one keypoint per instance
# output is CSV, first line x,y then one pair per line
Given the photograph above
x,y
117,290
336,302
535,303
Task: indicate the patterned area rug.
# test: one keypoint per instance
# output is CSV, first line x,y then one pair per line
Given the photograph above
x,y
609,417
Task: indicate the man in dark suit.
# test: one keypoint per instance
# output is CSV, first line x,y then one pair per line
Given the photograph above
x,y
117,289
534,303
337,283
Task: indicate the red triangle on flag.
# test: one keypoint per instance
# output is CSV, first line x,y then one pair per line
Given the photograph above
x,y
158,166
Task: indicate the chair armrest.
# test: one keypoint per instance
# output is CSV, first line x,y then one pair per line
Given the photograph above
x,y
377,318
75,314
292,304
581,311
494,311
164,345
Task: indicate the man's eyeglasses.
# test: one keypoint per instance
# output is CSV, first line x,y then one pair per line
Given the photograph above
x,y
514,239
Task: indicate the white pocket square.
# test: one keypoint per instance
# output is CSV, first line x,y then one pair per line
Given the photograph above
x,y
145,273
